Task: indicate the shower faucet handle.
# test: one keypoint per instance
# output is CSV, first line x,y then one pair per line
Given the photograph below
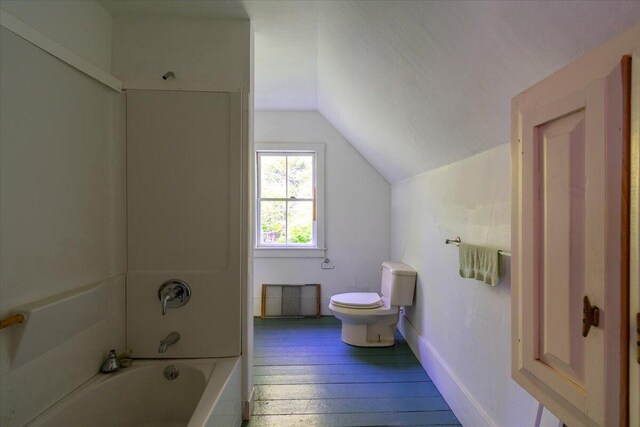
x,y
173,293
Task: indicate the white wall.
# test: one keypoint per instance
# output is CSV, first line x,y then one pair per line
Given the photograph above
x,y
62,224
356,207
460,328
83,27
216,51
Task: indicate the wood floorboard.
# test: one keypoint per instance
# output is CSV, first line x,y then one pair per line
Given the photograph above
x,y
327,341
337,406
298,335
305,375
312,321
343,391
436,418
341,378
343,350
338,369
332,360
266,330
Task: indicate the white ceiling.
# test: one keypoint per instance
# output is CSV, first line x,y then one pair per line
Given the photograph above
x,y
413,85
285,42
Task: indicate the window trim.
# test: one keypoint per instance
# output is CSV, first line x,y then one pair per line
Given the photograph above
x,y
317,251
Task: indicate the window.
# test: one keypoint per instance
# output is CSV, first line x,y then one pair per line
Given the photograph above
x,y
289,200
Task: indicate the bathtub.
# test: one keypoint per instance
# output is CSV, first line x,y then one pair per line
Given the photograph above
x,y
206,392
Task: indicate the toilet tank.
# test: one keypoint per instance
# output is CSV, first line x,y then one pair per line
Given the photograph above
x,y
398,283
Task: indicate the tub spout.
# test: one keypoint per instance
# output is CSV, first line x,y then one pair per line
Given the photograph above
x,y
171,339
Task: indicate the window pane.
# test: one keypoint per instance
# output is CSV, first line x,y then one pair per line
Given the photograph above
x,y
301,176
300,223
272,223
273,173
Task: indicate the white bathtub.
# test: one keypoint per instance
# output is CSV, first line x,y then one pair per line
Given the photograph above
x,y
206,392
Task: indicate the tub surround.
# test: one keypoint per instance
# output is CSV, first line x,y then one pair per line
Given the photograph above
x,y
184,180
63,187
85,28
209,55
29,388
62,205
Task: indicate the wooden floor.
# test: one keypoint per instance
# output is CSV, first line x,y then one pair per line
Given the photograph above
x,y
304,375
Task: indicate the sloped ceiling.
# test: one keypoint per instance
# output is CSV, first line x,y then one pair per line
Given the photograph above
x,y
419,85
413,85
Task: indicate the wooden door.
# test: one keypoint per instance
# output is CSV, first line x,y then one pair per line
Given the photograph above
x,y
563,147
566,241
634,248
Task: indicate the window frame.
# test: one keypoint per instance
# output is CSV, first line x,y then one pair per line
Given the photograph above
x,y
260,156
292,250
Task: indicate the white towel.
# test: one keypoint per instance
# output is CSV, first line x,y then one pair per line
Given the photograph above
x,y
480,263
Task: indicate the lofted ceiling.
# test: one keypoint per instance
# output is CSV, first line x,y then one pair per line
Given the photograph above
x,y
413,85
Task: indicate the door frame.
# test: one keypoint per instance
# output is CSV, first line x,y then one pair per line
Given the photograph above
x,y
633,372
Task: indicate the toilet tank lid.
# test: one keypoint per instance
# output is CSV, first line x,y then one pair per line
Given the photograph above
x,y
398,268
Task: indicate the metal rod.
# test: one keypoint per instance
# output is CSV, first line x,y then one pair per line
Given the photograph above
x,y
457,242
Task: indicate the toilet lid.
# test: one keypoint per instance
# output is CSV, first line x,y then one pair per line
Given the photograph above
x,y
357,300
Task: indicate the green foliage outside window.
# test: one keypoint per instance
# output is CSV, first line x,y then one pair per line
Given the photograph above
x,y
288,217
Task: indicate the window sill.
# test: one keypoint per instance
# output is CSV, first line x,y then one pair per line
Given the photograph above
x,y
289,252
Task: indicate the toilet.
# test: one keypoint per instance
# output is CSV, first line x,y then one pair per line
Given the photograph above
x,y
369,319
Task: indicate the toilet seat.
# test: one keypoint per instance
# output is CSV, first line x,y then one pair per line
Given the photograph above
x,y
383,310
357,300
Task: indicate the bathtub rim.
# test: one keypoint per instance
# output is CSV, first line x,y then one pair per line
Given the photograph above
x,y
218,378
216,385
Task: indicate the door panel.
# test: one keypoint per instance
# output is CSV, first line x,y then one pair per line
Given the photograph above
x,y
566,239
563,211
560,142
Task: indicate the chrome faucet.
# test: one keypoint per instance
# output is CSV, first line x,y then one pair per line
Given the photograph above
x,y
168,296
170,340
112,363
173,293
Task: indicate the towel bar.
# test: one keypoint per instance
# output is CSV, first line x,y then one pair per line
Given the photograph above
x,y
457,242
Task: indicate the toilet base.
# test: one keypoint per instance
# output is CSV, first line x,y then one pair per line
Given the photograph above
x,y
378,334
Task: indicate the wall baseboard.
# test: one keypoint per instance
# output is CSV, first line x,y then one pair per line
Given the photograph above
x,y
247,405
462,403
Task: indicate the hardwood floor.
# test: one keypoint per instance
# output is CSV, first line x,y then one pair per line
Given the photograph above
x,y
304,375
